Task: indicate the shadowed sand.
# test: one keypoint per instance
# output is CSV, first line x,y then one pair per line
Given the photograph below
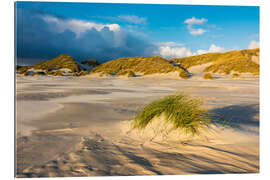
x,y
81,127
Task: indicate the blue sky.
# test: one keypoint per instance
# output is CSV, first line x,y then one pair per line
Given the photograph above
x,y
107,31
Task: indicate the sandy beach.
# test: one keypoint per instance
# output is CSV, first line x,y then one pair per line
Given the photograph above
x,y
80,126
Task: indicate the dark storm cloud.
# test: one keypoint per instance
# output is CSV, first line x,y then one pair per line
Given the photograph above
x,y
41,39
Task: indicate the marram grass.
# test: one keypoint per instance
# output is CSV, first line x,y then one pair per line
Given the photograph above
x,y
208,76
235,75
224,63
137,65
184,112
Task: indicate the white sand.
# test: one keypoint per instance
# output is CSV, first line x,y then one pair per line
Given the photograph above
x,y
81,127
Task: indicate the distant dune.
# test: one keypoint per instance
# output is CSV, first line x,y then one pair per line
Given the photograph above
x,y
138,66
61,65
242,61
232,62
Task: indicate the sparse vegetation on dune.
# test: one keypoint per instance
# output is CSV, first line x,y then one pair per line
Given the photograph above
x,y
127,73
224,63
184,75
238,64
235,75
220,63
137,65
25,73
62,61
58,73
184,112
131,74
41,73
190,61
83,73
57,66
91,62
18,67
22,69
49,72
208,76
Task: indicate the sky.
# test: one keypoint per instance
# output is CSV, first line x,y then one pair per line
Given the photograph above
x,y
105,31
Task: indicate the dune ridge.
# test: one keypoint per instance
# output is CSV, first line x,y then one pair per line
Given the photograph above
x,y
238,62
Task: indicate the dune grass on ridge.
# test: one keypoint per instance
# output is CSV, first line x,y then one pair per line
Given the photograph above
x,y
208,76
137,65
182,111
61,61
239,61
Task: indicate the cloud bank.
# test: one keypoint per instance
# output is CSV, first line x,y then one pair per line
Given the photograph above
x,y
44,36
76,26
212,49
172,49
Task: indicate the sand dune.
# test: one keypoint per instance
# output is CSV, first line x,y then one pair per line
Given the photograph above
x,y
90,135
197,71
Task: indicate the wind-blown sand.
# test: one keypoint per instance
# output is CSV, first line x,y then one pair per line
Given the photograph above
x,y
71,126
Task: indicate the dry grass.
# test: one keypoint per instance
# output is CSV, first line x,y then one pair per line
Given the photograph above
x,y
91,62
182,111
235,75
58,73
183,75
39,73
137,65
23,69
188,62
131,74
83,73
62,61
224,63
208,76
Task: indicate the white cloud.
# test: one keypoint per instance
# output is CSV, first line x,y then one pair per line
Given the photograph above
x,y
201,51
77,26
194,21
253,45
132,19
171,49
213,48
169,52
195,32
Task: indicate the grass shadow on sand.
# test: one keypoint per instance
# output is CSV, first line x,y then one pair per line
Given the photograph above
x,y
100,156
205,164
237,115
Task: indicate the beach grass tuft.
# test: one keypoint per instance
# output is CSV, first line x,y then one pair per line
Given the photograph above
x,y
183,75
235,75
208,76
59,62
182,111
58,73
131,74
